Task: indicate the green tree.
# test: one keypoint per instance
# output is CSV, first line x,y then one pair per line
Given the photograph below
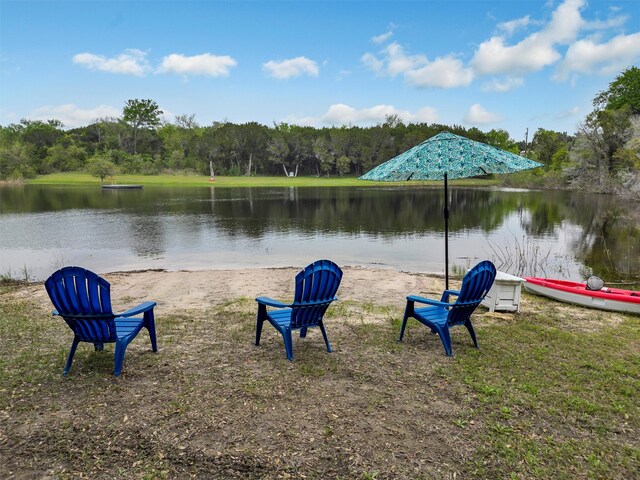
x,y
324,156
599,138
604,162
140,114
560,158
300,148
65,156
278,150
182,144
545,144
41,136
255,143
623,92
15,161
343,165
109,133
500,139
100,166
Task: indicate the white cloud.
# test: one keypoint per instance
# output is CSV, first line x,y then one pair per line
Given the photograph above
x,y
443,72
447,72
341,114
378,39
131,62
399,62
566,22
587,56
293,67
204,64
477,115
503,85
561,40
372,63
612,22
538,50
72,116
513,25
493,57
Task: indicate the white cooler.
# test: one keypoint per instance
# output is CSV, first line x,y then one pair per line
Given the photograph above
x,y
504,294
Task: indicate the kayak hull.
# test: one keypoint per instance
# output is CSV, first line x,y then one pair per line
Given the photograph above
x,y
610,299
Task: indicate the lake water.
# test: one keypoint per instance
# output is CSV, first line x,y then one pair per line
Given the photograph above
x,y
556,234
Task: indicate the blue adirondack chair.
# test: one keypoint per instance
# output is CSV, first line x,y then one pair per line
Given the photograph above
x,y
316,287
83,299
442,315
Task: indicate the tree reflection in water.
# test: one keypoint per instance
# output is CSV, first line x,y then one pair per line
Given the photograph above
x,y
599,233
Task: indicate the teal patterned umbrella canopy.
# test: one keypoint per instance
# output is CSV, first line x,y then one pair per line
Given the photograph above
x,y
450,154
447,156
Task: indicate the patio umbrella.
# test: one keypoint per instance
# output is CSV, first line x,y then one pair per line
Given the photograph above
x,y
448,156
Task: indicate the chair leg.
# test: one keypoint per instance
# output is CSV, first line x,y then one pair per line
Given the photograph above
x,y
303,332
408,311
150,324
471,332
443,333
324,334
98,346
288,343
262,314
74,345
118,357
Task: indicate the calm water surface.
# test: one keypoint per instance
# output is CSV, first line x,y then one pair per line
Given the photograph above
x,y
557,234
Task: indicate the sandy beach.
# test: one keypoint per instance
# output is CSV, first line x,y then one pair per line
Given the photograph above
x,y
177,291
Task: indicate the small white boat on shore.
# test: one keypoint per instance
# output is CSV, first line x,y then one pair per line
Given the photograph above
x,y
611,299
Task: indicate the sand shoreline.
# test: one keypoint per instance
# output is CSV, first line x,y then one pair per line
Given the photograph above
x,y
184,290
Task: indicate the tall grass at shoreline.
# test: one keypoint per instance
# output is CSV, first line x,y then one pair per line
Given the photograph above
x,y
521,258
22,275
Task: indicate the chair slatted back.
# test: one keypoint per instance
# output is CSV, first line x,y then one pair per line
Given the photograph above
x,y
316,288
83,299
475,285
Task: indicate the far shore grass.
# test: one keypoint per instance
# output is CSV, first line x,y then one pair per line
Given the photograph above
x,y
183,180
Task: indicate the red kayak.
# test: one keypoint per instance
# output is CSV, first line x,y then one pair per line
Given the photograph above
x,y
612,299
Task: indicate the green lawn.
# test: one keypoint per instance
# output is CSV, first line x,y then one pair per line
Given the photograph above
x,y
203,181
553,393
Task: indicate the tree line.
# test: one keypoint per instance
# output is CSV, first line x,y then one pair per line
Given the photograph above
x,y
603,155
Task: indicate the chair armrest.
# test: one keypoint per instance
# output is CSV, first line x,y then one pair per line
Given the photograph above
x,y
415,298
143,307
447,293
271,302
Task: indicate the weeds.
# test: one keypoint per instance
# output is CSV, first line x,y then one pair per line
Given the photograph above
x,y
520,258
23,275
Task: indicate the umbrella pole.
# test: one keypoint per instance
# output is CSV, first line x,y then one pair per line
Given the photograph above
x,y
446,234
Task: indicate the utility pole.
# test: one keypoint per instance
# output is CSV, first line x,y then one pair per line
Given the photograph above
x,y
526,138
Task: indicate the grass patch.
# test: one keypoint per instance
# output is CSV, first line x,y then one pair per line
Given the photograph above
x,y
556,403
83,179
539,400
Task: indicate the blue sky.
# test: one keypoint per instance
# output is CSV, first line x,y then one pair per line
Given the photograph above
x,y
506,64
